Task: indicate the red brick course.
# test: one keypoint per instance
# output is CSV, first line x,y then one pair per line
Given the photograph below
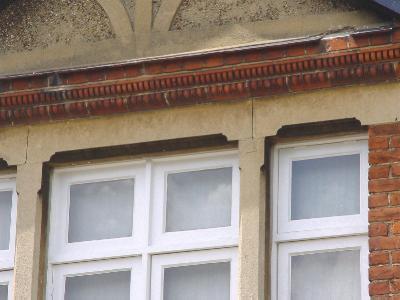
x,y
244,73
384,214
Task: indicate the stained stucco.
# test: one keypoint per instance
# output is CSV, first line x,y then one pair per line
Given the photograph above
x,y
198,13
30,24
130,8
52,34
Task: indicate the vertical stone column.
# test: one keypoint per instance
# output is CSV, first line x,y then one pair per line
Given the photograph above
x,y
28,233
252,220
384,214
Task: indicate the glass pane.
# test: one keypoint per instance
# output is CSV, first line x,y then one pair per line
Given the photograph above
x,y
107,286
3,292
200,282
101,210
199,199
5,219
325,187
331,275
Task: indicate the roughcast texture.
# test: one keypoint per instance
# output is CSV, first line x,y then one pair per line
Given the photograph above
x,y
197,13
29,24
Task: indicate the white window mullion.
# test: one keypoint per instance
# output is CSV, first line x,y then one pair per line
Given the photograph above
x,y
287,251
103,253
223,262
6,285
129,269
8,212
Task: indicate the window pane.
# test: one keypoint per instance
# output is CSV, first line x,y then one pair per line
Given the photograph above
x,y
107,286
325,187
3,292
199,200
208,281
5,219
101,210
331,275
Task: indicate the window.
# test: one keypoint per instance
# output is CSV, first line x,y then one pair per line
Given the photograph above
x,y
6,285
145,229
320,223
8,206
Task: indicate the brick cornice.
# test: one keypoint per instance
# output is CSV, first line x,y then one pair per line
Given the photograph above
x,y
241,74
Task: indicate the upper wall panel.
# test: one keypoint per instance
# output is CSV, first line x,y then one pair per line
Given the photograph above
x,y
30,24
47,35
198,13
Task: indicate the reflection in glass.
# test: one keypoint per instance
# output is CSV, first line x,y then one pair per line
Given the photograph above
x,y
3,292
329,275
5,219
199,282
101,210
199,199
325,187
115,286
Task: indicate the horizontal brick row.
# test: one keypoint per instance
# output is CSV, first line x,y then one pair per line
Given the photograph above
x,y
215,77
215,60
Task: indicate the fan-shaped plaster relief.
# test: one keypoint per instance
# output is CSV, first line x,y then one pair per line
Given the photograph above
x,y
30,24
155,7
130,9
197,13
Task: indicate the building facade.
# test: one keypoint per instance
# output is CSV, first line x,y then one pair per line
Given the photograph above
x,y
199,149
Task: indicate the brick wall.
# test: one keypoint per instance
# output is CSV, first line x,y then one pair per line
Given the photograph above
x,y
384,214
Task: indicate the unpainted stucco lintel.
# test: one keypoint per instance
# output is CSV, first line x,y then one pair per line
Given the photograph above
x,y
373,104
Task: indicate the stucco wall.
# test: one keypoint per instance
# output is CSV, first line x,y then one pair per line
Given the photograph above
x,y
27,25
199,13
42,35
249,122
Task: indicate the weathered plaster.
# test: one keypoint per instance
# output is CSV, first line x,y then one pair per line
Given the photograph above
x,y
13,145
31,24
232,120
226,36
156,7
369,104
119,19
28,232
143,21
130,8
148,41
252,220
198,13
165,15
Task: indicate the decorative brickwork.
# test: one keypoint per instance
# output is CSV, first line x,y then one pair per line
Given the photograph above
x,y
214,77
384,214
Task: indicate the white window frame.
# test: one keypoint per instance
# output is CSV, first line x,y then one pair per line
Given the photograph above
x,y
162,262
6,278
319,234
317,227
8,183
62,251
200,237
287,250
83,257
62,272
